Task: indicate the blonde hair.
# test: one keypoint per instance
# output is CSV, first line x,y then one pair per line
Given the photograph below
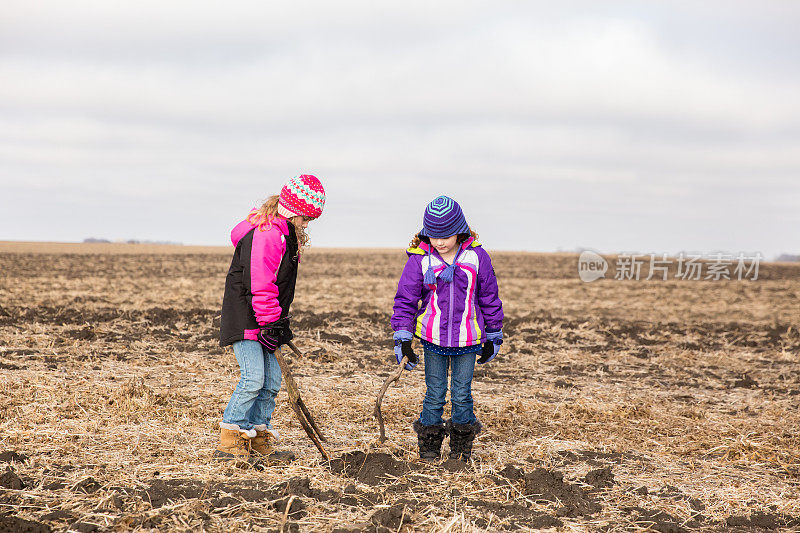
x,y
461,238
264,215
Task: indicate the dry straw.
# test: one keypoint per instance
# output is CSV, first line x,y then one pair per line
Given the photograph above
x,y
112,385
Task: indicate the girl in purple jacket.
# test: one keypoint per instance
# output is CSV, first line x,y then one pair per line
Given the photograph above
x,y
259,289
461,315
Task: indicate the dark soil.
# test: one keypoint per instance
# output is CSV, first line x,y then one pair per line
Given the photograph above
x,y
746,382
162,492
600,478
391,519
455,465
12,456
59,516
11,480
87,486
765,521
372,469
549,486
12,524
517,514
221,495
659,520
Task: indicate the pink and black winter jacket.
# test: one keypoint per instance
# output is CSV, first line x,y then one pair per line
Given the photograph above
x,y
454,314
260,284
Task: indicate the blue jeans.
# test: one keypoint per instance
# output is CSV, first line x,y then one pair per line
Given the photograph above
x,y
436,367
253,400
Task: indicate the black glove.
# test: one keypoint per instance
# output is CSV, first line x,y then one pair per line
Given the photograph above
x,y
287,334
268,337
403,348
275,334
409,352
487,353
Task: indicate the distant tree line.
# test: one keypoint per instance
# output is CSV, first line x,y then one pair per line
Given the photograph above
x,y
131,241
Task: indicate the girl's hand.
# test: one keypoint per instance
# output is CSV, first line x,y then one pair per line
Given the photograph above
x,y
489,352
275,333
267,337
402,347
494,338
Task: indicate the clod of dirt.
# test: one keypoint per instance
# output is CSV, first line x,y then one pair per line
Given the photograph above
x,y
162,492
11,456
550,486
391,519
335,337
299,486
746,382
84,334
372,469
768,521
658,520
59,516
519,513
297,509
696,504
512,473
454,465
12,524
600,478
10,480
88,486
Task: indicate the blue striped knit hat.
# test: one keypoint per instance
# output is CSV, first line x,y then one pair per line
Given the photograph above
x,y
443,218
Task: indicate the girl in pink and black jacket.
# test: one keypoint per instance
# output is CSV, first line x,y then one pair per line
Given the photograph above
x,y
259,289
448,298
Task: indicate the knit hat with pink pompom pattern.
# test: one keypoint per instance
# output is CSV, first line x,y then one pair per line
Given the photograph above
x,y
302,196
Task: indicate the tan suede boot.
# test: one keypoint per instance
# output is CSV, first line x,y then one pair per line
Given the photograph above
x,y
234,445
262,447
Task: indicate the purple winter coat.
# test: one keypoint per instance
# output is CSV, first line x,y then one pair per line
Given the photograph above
x,y
452,314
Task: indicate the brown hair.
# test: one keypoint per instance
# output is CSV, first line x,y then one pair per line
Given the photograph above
x,y
263,216
461,238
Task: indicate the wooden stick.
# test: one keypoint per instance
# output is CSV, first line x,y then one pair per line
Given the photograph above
x,y
302,404
311,421
389,380
295,400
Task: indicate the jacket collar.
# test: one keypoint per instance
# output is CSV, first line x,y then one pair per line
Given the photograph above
x,y
282,224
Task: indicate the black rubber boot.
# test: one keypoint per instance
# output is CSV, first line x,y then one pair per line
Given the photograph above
x,y
461,437
430,440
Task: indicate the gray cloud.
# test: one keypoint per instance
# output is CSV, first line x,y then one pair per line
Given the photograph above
x,y
612,125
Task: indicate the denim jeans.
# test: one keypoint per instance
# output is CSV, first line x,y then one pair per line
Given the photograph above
x,y
253,400
436,367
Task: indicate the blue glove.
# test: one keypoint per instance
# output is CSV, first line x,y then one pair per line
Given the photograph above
x,y
402,347
494,338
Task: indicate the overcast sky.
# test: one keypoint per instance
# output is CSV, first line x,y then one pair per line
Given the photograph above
x,y
616,126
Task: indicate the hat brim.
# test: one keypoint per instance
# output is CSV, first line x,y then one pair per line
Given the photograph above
x,y
463,229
